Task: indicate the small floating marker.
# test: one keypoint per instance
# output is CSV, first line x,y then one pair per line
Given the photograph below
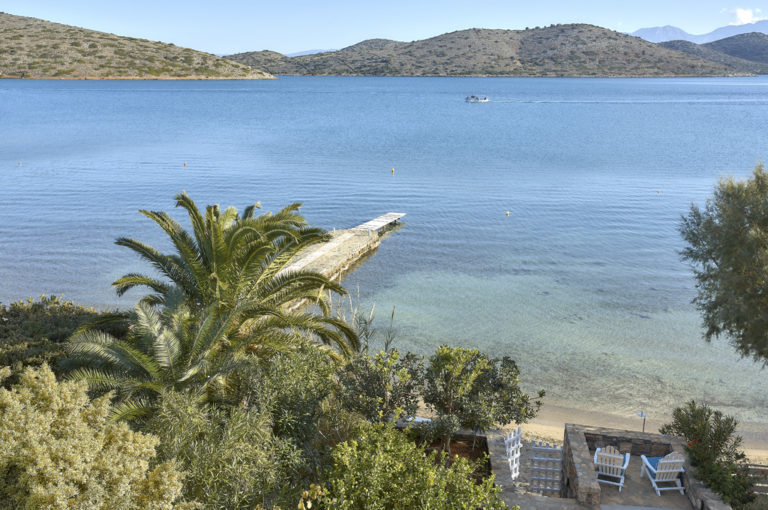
x,y
185,163
19,163
507,213
658,192
393,170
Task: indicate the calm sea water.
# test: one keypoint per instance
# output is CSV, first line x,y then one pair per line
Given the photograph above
x,y
581,283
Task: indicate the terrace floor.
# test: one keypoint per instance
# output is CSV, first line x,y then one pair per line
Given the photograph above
x,y
639,493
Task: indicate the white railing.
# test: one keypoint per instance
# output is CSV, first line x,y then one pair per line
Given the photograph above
x,y
546,467
513,442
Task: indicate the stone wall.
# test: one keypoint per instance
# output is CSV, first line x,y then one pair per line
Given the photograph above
x,y
579,479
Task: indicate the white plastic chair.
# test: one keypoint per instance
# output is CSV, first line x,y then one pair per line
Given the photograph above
x,y
611,464
664,469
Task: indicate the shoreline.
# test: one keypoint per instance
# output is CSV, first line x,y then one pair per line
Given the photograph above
x,y
142,78
549,425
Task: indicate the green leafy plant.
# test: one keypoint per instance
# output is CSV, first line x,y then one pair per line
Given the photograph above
x,y
167,348
379,387
381,469
714,449
58,451
468,389
235,262
727,246
230,456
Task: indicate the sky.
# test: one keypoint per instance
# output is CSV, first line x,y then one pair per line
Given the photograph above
x,y
289,26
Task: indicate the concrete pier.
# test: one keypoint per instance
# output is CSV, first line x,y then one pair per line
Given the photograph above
x,y
333,259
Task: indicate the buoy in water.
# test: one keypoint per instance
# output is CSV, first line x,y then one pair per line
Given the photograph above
x,y
658,192
393,170
507,213
185,164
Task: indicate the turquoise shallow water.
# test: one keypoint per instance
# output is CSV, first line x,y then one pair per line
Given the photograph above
x,y
582,283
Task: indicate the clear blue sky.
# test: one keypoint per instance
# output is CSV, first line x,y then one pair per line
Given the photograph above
x,y
229,26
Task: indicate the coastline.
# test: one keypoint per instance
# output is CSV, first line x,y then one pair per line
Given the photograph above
x,y
550,423
142,78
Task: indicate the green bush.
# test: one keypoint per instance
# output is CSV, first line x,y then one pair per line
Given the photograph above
x,y
466,388
33,332
714,449
382,469
57,451
230,456
378,387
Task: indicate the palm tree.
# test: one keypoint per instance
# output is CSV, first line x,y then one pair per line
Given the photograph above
x,y
168,349
237,262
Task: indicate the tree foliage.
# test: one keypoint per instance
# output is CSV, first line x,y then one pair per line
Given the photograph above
x,y
232,262
165,348
468,389
58,451
727,247
714,449
381,469
230,456
378,387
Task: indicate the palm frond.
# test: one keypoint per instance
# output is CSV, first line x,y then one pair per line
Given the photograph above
x,y
102,320
130,410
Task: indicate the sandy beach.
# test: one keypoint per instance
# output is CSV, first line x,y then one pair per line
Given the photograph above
x,y
549,426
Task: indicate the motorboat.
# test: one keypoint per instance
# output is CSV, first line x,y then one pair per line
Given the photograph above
x,y
477,99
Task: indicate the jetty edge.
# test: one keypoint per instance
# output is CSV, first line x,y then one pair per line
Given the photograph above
x,y
335,257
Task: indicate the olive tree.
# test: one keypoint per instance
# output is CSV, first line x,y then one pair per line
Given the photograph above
x,y
727,247
466,388
377,388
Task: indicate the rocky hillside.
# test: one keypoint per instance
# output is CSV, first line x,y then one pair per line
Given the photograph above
x,y
752,47
558,50
33,48
708,53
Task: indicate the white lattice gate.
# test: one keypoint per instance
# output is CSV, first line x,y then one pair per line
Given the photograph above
x,y
514,445
546,467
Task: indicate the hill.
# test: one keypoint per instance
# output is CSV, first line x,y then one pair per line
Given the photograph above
x,y
708,53
753,47
558,50
34,48
668,33
746,52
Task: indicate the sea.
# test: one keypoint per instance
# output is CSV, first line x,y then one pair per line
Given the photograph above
x,y
542,225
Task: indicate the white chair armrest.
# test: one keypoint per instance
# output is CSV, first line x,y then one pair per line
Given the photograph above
x,y
626,461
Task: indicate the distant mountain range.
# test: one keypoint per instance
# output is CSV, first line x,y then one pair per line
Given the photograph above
x,y
34,48
306,52
669,33
558,50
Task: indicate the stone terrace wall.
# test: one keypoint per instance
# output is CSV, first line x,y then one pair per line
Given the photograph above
x,y
579,479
